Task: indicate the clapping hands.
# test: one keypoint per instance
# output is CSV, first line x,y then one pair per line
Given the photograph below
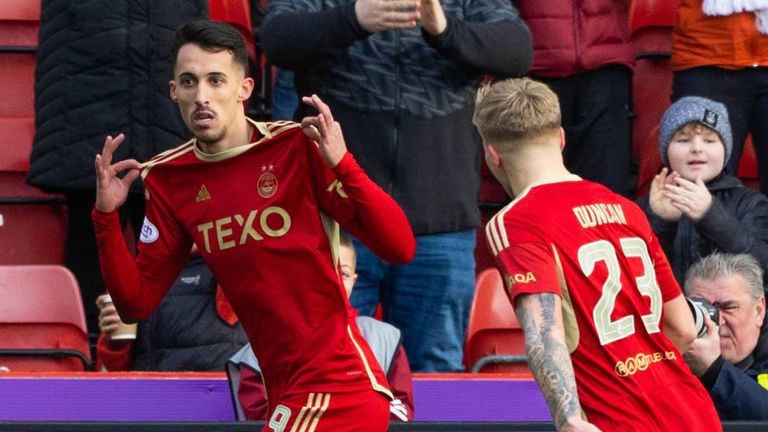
x,y
672,196
381,15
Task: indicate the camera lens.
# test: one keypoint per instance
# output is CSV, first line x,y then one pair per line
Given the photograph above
x,y
700,308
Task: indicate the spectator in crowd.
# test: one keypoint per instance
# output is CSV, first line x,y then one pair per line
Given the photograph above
x,y
720,51
582,52
385,341
400,78
193,328
257,229
695,207
587,278
285,100
724,358
102,66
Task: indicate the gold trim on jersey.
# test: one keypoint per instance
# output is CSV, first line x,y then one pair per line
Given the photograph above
x,y
496,232
166,156
331,228
309,416
375,384
570,325
267,130
278,127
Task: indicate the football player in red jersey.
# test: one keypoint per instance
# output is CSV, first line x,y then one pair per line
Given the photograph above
x,y
263,202
604,319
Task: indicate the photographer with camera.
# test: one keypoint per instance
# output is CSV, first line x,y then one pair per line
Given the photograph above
x,y
724,356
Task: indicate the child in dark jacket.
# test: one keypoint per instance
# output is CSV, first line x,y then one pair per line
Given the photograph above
x,y
694,207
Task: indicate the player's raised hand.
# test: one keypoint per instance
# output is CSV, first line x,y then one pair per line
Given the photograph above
x,y
111,190
380,15
660,203
323,129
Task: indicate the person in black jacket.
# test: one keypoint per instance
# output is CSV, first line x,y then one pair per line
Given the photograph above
x,y
694,207
193,329
102,67
401,77
726,359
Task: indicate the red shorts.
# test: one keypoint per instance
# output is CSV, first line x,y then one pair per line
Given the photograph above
x,y
343,412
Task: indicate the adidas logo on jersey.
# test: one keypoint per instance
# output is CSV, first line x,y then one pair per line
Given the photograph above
x,y
203,194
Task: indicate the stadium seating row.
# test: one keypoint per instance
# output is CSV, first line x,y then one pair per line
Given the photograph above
x,y
42,324
31,223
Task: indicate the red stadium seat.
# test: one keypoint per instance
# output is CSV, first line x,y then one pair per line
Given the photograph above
x,y
238,14
748,165
652,13
42,323
32,227
495,341
650,23
19,23
32,224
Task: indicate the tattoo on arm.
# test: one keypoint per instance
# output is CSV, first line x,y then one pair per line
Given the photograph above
x,y
548,355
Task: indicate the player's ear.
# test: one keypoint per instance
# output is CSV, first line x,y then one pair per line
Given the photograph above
x,y
493,156
172,90
562,139
245,90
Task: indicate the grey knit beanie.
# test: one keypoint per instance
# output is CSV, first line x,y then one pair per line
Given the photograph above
x,y
690,109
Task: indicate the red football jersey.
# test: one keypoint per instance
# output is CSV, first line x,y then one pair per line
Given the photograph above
x,y
595,249
264,216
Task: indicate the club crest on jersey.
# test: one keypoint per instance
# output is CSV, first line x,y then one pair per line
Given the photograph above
x,y
267,183
149,232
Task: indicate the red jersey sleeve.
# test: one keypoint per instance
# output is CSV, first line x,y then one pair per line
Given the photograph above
x,y
112,355
362,207
138,286
528,268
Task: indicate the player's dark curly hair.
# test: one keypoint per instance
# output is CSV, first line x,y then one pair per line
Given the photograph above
x,y
212,36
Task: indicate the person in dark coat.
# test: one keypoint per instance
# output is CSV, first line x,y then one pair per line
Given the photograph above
x,y
193,329
695,208
726,359
401,79
102,67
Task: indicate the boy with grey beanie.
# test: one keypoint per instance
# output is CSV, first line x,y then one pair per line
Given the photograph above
x,y
694,207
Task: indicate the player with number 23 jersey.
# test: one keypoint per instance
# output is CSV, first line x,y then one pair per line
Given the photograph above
x,y
595,250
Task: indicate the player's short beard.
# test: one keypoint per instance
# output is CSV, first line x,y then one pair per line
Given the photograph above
x,y
211,141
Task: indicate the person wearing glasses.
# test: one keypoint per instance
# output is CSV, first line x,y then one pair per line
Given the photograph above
x,y
726,359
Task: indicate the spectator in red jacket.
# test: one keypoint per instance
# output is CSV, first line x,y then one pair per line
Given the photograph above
x,y
384,339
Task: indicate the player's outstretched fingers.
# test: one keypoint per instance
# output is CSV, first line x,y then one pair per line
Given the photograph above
x,y
323,126
110,145
323,109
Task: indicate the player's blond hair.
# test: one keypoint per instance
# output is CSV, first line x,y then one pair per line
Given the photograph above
x,y
514,111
